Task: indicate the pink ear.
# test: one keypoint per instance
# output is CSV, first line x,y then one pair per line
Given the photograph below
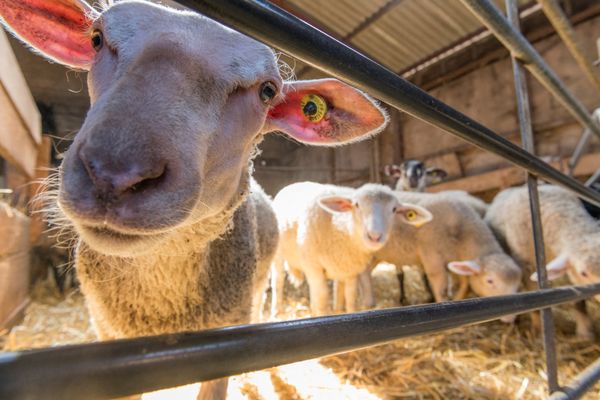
x,y
336,204
555,268
59,29
466,268
392,170
342,114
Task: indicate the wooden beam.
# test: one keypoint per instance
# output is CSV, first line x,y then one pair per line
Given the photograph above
x,y
13,82
16,145
42,170
503,178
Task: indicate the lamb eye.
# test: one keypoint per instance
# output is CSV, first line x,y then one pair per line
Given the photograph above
x,y
410,215
97,40
268,91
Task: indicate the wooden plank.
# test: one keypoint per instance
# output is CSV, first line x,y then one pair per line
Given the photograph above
x,y
16,146
13,81
36,187
14,287
14,231
511,176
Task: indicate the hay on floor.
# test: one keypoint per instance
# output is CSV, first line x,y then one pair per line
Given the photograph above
x,y
487,361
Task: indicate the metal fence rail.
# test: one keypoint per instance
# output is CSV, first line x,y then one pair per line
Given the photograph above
x,y
125,367
526,128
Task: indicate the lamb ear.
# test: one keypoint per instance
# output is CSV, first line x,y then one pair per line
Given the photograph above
x,y
58,29
466,268
435,175
555,268
325,112
413,214
336,204
391,170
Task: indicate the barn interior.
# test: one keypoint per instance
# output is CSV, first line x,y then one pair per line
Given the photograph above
x,y
440,46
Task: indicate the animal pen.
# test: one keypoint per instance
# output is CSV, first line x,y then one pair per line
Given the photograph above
x,y
125,367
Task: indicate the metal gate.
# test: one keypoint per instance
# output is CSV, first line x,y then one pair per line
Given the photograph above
x,y
125,367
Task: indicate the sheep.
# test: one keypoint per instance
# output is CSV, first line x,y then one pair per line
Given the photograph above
x,y
331,232
413,176
571,238
157,183
457,239
365,285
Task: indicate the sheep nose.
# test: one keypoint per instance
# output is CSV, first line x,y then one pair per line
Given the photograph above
x,y
112,179
374,236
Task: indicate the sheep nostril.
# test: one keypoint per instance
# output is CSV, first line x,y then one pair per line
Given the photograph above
x,y
584,274
374,236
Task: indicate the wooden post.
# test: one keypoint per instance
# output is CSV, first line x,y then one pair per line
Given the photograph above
x,y
42,171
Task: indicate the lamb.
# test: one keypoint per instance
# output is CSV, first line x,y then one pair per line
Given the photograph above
x,y
365,285
157,182
413,176
571,238
457,239
331,232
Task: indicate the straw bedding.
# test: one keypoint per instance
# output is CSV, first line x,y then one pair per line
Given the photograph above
x,y
487,361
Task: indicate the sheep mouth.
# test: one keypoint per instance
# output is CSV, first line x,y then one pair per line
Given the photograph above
x,y
108,233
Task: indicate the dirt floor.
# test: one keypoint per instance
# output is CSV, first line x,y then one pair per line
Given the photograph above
x,y
487,361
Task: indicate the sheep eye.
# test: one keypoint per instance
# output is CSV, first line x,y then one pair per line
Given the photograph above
x,y
356,205
394,210
97,40
410,215
268,91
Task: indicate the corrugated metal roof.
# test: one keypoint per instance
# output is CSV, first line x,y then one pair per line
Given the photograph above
x,y
406,33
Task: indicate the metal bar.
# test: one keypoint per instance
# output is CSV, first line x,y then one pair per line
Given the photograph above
x,y
272,25
125,367
563,27
593,178
491,17
579,150
580,385
527,139
582,144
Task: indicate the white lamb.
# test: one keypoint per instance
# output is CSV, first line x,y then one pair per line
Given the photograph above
x,y
331,232
571,238
458,239
157,183
403,253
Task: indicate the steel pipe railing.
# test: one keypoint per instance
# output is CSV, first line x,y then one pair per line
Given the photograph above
x,y
582,144
580,385
272,25
580,148
525,125
518,45
125,367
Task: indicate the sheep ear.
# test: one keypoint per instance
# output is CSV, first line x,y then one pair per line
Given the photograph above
x,y
435,175
555,268
466,268
58,29
336,204
392,170
413,214
325,112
